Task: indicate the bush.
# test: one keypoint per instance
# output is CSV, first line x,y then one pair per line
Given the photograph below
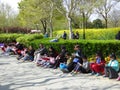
x,y
89,47
7,38
22,38
26,38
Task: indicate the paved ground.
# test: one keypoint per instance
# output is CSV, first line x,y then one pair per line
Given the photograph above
x,y
27,76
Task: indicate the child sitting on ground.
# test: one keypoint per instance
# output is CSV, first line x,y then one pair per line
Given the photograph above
x,y
77,57
49,60
97,67
29,55
112,68
82,68
64,66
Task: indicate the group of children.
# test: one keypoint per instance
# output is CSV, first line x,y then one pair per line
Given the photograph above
x,y
68,63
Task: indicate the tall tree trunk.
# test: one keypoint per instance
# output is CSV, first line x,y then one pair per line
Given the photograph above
x,y
84,22
106,23
106,20
51,23
51,28
44,24
69,25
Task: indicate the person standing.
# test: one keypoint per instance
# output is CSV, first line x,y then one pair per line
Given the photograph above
x,y
64,35
77,36
118,36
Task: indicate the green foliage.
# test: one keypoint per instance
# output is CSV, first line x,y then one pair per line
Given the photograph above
x,y
7,16
98,24
9,37
93,34
89,47
32,12
22,38
26,38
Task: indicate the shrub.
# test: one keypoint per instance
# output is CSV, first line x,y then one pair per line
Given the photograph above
x,y
6,38
26,38
22,38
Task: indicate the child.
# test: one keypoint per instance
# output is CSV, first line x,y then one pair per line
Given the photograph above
x,y
29,55
112,68
52,54
61,57
76,58
83,68
64,66
41,51
98,67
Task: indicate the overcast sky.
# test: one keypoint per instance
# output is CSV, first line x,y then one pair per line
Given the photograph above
x,y
12,3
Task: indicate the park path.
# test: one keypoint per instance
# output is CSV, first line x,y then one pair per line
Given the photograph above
x,y
27,76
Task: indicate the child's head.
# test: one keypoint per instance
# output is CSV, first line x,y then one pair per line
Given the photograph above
x,y
99,54
67,54
51,48
77,47
84,58
112,56
30,47
63,47
41,45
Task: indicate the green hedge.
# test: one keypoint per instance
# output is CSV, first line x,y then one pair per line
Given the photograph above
x,y
89,47
26,38
22,38
7,38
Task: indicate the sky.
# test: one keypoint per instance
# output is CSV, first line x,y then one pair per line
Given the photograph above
x,y
12,3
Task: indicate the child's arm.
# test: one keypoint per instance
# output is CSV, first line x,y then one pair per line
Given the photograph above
x,y
80,64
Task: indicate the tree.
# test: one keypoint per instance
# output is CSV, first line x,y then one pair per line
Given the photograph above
x,y
33,13
7,16
97,24
67,8
86,11
104,8
40,12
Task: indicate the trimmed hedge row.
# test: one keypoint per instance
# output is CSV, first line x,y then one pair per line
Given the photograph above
x,y
7,38
26,38
22,38
89,47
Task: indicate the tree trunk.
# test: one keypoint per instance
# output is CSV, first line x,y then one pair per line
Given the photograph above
x,y
84,21
69,25
51,28
44,24
51,16
106,20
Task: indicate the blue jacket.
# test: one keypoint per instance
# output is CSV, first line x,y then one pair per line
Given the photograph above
x,y
114,64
